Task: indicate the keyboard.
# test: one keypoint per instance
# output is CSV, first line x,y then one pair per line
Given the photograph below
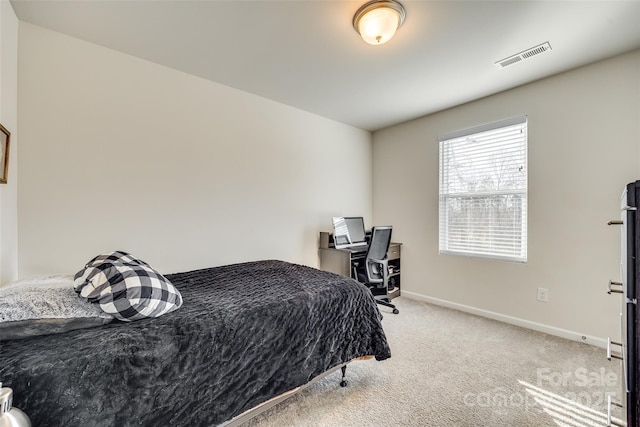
x,y
358,248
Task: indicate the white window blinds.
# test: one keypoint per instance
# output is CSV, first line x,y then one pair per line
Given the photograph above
x,y
483,191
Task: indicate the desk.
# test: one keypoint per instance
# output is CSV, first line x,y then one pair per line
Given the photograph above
x,y
339,261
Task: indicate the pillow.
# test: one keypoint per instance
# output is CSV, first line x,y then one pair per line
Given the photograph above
x,y
43,306
126,288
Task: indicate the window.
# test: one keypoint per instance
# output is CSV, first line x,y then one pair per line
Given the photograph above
x,y
483,191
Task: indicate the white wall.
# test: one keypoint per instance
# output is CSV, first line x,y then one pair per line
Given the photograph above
x,y
120,153
9,119
584,139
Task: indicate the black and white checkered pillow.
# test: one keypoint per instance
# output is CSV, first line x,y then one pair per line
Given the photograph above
x,y
126,288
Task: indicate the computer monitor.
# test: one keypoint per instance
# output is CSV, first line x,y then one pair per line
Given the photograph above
x,y
348,232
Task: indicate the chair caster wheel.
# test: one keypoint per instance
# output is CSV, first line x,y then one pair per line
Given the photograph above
x,y
343,383
396,311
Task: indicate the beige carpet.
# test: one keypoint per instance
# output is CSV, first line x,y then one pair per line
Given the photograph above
x,y
450,368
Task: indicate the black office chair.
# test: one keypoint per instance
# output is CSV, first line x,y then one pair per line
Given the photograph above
x,y
374,272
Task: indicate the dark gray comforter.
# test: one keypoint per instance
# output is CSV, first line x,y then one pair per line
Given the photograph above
x,y
246,333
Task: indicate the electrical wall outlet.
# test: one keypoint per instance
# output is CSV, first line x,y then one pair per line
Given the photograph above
x,y
543,294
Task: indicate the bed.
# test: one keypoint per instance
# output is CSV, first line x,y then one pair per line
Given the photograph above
x,y
245,334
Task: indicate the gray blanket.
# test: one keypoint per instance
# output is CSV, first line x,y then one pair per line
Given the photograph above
x,y
246,333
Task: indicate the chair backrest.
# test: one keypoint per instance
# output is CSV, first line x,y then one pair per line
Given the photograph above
x,y
380,241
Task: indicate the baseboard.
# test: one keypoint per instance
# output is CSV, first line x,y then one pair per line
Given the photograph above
x,y
547,329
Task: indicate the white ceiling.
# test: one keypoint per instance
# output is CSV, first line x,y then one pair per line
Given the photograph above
x,y
306,54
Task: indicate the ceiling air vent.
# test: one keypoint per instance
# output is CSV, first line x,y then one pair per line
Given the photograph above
x,y
536,50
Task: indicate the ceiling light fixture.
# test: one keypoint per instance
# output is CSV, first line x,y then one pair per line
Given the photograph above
x,y
378,20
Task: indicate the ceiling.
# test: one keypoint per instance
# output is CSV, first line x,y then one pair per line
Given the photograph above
x,y
306,54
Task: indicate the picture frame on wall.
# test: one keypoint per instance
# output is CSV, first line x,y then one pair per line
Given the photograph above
x,y
4,154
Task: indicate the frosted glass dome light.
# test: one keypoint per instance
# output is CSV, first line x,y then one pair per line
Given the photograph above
x,y
378,20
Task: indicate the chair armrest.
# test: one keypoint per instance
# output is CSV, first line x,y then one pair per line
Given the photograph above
x,y
384,265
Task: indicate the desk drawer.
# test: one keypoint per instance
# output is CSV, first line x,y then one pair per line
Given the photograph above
x,y
394,251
